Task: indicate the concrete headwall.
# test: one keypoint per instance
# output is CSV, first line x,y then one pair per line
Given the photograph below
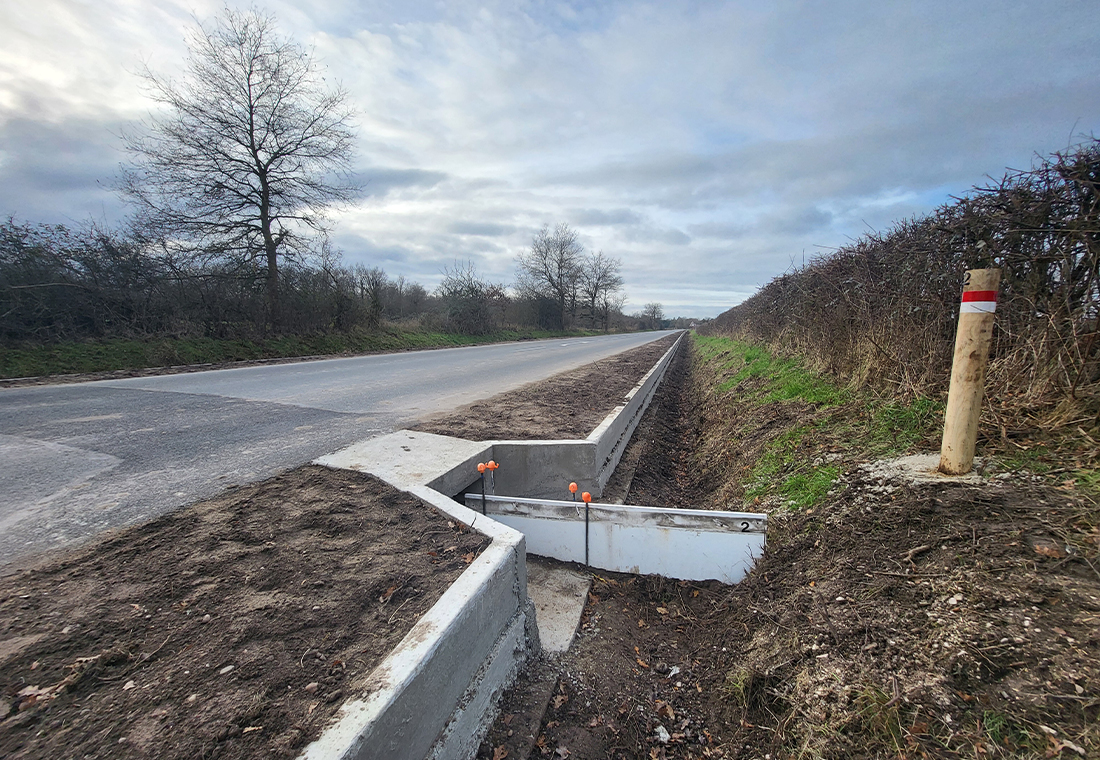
x,y
687,544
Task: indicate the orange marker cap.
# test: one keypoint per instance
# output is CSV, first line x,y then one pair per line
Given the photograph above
x,y
572,488
492,465
586,497
481,467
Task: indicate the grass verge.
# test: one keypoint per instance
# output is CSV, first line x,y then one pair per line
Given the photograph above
x,y
793,463
129,354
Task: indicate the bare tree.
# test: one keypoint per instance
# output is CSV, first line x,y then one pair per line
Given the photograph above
x,y
599,282
372,283
471,303
653,314
552,268
250,154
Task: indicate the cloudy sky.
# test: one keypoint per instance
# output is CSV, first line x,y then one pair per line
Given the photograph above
x,y
709,145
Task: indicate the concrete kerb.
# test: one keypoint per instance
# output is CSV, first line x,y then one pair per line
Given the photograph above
x,y
612,435
433,696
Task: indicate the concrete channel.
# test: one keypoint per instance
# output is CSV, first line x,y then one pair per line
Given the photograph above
x,y
436,694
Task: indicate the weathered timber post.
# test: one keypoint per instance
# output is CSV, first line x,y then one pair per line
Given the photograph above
x,y
964,398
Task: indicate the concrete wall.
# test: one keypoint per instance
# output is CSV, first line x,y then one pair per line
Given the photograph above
x,y
687,544
544,469
434,695
613,434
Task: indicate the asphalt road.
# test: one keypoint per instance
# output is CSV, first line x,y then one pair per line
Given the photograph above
x,y
79,459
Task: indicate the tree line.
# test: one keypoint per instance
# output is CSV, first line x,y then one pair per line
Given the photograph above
x,y
231,184
59,283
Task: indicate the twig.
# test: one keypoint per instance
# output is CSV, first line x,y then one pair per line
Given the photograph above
x,y
390,621
914,552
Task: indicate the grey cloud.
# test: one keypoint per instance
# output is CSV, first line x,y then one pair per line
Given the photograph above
x,y
594,217
481,229
650,234
59,173
382,180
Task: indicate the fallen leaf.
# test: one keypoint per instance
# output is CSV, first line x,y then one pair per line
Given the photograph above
x,y
641,662
508,719
642,624
560,700
663,610
450,549
468,558
386,596
695,592
500,753
34,665
129,685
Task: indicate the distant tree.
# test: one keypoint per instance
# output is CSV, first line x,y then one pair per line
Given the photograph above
x,y
372,285
653,315
472,305
251,151
552,268
600,281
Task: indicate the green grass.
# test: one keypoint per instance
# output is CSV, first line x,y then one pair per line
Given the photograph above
x,y
120,353
787,378
793,466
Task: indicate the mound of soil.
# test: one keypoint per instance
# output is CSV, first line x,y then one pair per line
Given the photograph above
x,y
893,620
232,628
566,406
930,621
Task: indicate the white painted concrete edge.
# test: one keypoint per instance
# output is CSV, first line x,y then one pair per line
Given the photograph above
x,y
434,695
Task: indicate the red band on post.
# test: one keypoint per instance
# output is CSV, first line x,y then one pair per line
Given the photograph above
x,y
979,295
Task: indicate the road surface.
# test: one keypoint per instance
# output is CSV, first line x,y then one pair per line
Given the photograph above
x,y
79,459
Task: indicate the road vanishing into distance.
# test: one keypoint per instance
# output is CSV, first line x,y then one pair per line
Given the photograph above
x,y
78,459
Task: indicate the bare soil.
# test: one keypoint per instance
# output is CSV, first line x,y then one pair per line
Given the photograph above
x,y
895,620
232,628
569,405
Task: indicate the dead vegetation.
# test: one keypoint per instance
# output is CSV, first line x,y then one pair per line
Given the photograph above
x,y
881,313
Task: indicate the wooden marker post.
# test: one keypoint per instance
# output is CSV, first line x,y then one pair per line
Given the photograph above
x,y
964,398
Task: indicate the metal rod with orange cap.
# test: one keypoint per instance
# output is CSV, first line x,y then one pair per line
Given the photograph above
x,y
481,469
492,466
586,498
573,490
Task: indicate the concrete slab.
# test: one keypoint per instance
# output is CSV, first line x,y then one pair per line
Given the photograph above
x,y
559,595
407,458
920,468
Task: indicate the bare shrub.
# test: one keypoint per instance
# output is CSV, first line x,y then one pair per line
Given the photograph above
x,y
882,311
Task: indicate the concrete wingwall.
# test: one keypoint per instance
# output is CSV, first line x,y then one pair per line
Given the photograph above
x,y
544,469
